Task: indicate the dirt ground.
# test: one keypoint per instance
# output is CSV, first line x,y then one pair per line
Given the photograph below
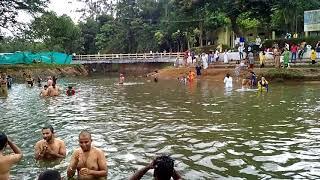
x,y
218,74
210,73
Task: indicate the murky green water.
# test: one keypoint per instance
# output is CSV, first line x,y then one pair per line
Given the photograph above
x,y
211,133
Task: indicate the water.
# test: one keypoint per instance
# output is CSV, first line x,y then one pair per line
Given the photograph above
x,y
210,132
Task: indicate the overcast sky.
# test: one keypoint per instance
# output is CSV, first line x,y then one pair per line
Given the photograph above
x,y
68,7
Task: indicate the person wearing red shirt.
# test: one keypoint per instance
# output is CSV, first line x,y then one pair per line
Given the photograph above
x,y
294,50
70,91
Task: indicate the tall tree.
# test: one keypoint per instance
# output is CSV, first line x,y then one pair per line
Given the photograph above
x,y
9,10
57,32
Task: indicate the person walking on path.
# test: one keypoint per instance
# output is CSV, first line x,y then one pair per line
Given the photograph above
x,y
286,55
251,60
318,49
313,56
294,50
262,58
276,56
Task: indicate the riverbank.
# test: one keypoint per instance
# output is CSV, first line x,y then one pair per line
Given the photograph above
x,y
43,70
165,72
301,74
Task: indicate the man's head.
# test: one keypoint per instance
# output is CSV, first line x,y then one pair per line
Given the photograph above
x,y
50,175
45,87
3,140
69,87
163,168
85,140
47,133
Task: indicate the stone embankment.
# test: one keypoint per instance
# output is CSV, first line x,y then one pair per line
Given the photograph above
x,y
18,71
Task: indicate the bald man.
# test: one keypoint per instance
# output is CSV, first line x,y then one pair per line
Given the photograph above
x,y
89,162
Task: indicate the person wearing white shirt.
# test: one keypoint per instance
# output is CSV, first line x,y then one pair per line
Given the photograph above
x,y
228,81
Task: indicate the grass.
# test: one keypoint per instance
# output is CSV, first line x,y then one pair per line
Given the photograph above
x,y
283,74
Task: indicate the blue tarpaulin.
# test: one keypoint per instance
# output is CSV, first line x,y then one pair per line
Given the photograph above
x,y
29,58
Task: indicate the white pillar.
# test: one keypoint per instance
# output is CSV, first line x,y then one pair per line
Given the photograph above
x,y
273,35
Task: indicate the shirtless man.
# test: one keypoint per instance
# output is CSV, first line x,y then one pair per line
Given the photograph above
x,y
7,161
89,162
50,81
53,90
163,169
121,79
3,85
50,148
44,91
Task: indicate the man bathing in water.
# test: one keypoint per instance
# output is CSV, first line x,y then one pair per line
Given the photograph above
x,y
53,90
121,79
7,161
163,169
44,91
3,85
29,80
89,162
50,81
50,148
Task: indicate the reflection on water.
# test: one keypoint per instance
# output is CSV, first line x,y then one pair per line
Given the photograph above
x,y
212,133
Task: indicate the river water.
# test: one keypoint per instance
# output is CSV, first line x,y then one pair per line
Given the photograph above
x,y
211,133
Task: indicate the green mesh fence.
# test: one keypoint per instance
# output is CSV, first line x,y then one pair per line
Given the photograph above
x,y
29,58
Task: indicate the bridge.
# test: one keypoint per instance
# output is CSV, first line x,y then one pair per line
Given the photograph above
x,y
127,58
160,58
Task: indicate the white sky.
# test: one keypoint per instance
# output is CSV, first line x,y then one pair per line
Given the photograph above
x,y
67,7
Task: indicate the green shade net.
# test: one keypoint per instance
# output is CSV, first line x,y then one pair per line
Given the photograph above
x,y
29,58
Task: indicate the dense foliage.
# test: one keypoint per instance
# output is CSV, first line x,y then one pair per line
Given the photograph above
x,y
131,26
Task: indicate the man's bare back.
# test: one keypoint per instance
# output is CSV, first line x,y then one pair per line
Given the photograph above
x,y
7,161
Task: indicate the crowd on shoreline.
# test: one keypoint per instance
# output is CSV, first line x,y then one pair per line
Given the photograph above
x,y
282,56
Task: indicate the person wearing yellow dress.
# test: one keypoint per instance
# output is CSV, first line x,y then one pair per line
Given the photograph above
x,y
263,85
313,56
262,58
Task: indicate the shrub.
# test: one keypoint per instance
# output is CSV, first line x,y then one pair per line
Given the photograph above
x,y
281,42
283,74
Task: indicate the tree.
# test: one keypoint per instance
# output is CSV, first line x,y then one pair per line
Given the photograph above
x,y
58,33
9,10
95,8
89,31
288,15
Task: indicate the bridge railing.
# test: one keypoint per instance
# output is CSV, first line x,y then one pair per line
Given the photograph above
x,y
138,56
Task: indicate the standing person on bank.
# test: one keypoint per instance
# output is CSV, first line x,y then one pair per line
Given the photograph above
x,y
318,49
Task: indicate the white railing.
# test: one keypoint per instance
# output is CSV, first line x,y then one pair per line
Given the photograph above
x,y
138,56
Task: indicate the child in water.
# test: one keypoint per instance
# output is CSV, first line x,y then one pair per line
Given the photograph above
x,y
70,91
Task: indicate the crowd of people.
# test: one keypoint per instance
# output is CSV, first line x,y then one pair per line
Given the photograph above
x,y
88,161
250,81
